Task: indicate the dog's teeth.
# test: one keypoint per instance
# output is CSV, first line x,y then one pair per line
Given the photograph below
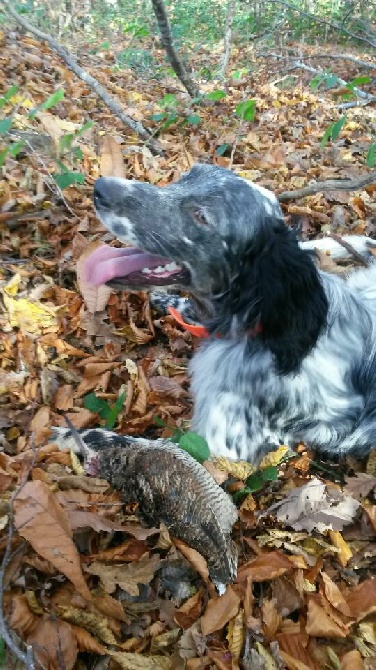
x,y
160,268
146,271
172,266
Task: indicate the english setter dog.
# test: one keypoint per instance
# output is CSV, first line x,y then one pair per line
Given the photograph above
x,y
291,351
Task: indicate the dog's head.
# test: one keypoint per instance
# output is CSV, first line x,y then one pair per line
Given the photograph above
x,y
197,228
214,234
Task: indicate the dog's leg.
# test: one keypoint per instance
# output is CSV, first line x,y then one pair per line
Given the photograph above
x,y
362,245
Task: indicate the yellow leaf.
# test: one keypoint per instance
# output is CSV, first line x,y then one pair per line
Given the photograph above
x,y
77,466
235,635
274,457
32,317
277,104
345,552
134,96
238,469
13,285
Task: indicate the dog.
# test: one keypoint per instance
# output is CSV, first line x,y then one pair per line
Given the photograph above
x,y
290,352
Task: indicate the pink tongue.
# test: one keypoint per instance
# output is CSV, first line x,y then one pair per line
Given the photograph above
x,y
106,263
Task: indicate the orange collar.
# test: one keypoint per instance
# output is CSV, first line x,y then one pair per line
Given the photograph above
x,y
200,331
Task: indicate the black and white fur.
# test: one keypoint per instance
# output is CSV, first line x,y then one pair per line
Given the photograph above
x,y
310,374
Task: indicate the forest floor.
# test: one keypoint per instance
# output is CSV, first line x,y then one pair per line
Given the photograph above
x,y
305,596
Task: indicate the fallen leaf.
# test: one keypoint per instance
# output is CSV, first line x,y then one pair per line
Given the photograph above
x,y
219,611
314,507
42,521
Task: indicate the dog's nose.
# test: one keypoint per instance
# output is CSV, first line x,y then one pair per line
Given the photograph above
x,y
106,193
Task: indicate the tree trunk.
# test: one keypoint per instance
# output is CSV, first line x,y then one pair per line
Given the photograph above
x,y
166,39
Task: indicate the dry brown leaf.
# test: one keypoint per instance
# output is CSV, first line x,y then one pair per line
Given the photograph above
x,y
293,664
334,595
189,612
361,485
270,618
352,661
111,158
166,385
42,521
127,576
87,642
54,644
362,599
265,567
236,636
95,297
194,557
92,621
319,623
129,661
219,611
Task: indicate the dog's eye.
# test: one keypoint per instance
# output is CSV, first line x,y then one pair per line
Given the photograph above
x,y
200,217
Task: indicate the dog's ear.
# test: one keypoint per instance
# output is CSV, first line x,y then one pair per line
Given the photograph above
x,y
288,299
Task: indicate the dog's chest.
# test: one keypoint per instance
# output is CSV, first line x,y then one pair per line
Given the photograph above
x,y
229,409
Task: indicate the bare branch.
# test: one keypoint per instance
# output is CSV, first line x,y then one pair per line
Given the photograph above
x,y
227,38
329,185
324,22
309,68
362,63
115,107
166,38
27,658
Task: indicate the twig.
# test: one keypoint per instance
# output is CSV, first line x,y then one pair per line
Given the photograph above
x,y
26,658
324,22
357,61
309,68
329,185
357,103
166,39
115,107
227,38
352,251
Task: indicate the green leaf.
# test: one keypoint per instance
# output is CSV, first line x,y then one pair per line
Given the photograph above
x,y
65,142
16,148
337,126
85,126
5,124
221,149
159,422
333,131
255,482
194,119
96,405
11,92
52,100
47,104
195,445
3,155
270,474
371,155
246,110
168,100
77,154
359,81
216,95
68,178
114,411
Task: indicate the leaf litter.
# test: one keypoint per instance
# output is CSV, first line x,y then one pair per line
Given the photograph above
x,y
84,576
